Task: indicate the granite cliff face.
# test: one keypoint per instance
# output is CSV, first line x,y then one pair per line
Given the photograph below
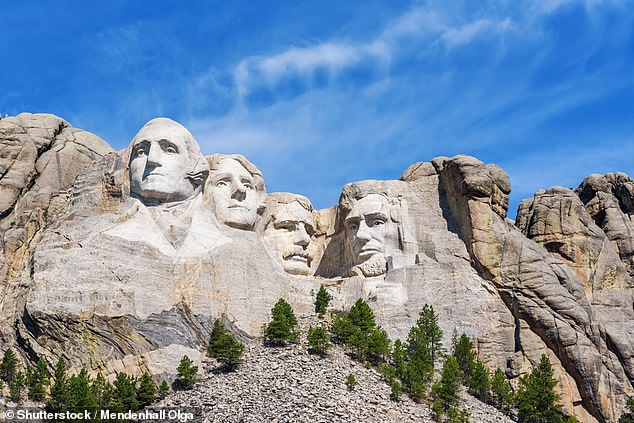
x,y
123,260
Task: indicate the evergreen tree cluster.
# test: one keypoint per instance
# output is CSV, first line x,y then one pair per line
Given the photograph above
x,y
78,392
358,330
283,326
224,347
321,302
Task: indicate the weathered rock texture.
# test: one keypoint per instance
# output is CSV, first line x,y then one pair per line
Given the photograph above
x,y
111,282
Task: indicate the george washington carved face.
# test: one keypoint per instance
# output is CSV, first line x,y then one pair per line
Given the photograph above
x,y
163,161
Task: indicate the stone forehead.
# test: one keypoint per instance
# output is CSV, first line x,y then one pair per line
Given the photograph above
x,y
215,159
168,128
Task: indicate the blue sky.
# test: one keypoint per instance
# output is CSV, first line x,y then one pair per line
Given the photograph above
x,y
318,94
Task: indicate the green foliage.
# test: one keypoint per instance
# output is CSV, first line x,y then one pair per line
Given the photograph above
x,y
82,397
9,365
628,417
424,340
124,395
446,389
164,389
361,316
341,328
217,331
480,382
457,416
187,373
537,400
351,382
418,374
228,351
146,393
37,379
377,346
16,386
60,392
318,339
397,391
388,372
102,391
399,358
322,300
462,350
283,325
502,393
424,345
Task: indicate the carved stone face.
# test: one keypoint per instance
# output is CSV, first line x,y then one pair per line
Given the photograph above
x,y
366,228
287,238
159,164
234,195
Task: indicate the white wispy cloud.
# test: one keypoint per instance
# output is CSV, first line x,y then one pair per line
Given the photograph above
x,y
418,23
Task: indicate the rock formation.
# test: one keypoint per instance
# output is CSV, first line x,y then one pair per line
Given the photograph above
x,y
123,260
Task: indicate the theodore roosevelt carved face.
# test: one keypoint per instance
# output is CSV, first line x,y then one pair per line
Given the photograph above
x,y
287,234
236,188
165,163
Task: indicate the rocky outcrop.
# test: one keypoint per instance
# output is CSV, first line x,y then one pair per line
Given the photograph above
x,y
127,269
40,158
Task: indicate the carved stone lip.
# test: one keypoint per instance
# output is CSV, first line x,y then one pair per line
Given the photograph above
x,y
303,257
238,206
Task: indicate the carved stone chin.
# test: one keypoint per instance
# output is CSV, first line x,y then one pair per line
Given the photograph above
x,y
376,266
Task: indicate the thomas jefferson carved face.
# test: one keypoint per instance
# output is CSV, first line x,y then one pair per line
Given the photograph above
x,y
160,163
233,191
365,227
287,237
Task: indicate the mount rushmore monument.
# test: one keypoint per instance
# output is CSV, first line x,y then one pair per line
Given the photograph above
x,y
122,260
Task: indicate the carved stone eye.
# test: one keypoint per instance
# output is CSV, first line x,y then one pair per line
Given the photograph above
x,y
171,150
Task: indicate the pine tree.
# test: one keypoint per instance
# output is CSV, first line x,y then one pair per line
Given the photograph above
x,y
399,358
318,340
378,345
361,319
82,397
397,391
424,345
462,349
102,391
16,386
187,372
361,316
501,391
124,394
37,379
341,328
60,394
283,325
164,389
480,382
351,382
322,300
425,338
228,351
217,331
445,391
146,393
9,365
537,400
